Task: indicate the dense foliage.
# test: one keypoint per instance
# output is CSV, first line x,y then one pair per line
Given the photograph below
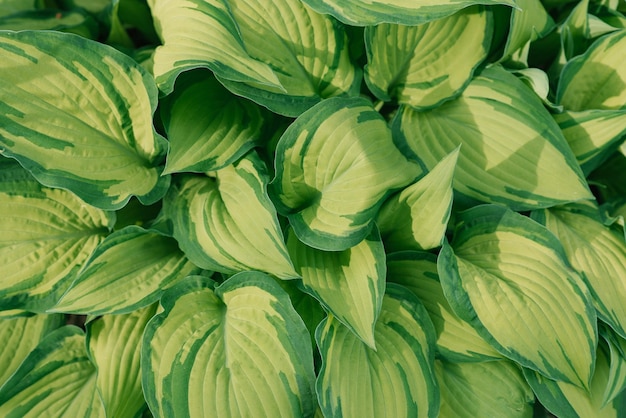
x,y
298,208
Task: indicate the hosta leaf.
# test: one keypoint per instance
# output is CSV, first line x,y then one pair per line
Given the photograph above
x,y
208,128
114,342
334,166
237,350
593,135
598,252
416,218
20,336
72,21
350,284
397,380
596,79
424,65
128,270
80,121
456,339
485,389
278,53
228,223
511,147
45,236
529,21
508,276
374,12
616,348
55,380
306,305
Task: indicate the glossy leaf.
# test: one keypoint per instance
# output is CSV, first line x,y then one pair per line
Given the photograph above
x,y
227,222
80,121
350,284
425,65
334,166
238,349
396,380
129,270
508,276
511,147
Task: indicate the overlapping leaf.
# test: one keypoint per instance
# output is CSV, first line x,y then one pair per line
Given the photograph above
x,y
512,148
424,65
615,350
80,121
45,237
508,276
228,223
529,21
237,350
396,380
334,166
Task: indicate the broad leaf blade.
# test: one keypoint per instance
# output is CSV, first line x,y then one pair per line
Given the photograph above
x,y
238,350
508,276
45,237
511,147
350,284
425,65
334,166
396,380
127,271
82,122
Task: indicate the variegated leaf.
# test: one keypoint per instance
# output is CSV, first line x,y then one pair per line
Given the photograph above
x,y
529,21
235,350
615,350
80,121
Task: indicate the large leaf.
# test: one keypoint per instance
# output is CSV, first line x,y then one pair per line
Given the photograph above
x,y
208,128
228,223
334,166
512,148
396,380
55,380
404,12
417,217
128,270
237,350
278,53
598,252
529,21
508,276
114,343
485,389
80,121
350,284
456,339
424,65
596,79
45,236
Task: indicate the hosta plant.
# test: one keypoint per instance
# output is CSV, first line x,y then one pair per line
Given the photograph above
x,y
312,208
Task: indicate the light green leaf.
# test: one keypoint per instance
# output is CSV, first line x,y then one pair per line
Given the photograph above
x,y
350,284
278,53
456,339
616,355
509,278
416,218
425,65
55,380
127,271
486,389
45,236
529,21
239,350
574,31
19,336
113,343
403,12
227,223
598,252
83,121
208,128
8,7
593,135
512,148
334,166
396,380
596,79
73,21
